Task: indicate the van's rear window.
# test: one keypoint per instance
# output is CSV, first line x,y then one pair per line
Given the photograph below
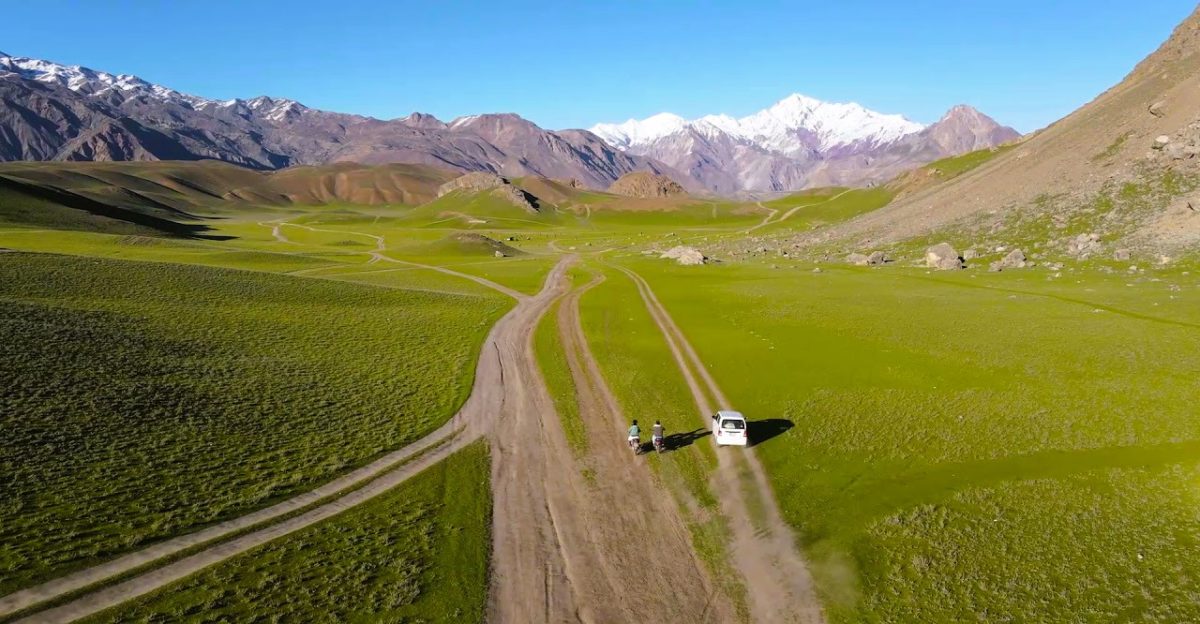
x,y
733,424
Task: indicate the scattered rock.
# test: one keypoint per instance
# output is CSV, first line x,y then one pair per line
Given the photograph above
x,y
943,257
970,255
1084,245
1161,142
816,270
499,254
1014,260
878,258
687,256
858,259
1121,255
1158,109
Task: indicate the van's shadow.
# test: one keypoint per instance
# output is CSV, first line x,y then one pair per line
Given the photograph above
x,y
762,430
682,440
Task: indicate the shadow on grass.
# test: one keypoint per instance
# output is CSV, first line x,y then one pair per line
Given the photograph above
x,y
683,440
762,430
68,199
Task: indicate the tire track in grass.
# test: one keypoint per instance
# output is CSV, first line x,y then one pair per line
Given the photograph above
x,y
778,584
635,536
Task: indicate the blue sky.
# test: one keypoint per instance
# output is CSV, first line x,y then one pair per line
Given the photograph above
x,y
571,63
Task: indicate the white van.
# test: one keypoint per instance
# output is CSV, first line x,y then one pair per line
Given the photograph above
x,y
729,429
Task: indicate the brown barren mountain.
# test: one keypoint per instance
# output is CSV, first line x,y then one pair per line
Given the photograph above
x,y
54,112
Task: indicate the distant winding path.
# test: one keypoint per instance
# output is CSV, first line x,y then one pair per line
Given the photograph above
x,y
767,221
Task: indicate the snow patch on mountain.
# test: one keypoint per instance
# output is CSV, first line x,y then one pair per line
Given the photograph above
x,y
792,125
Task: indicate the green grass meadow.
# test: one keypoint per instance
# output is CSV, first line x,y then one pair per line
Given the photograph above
x,y
973,446
143,399
418,553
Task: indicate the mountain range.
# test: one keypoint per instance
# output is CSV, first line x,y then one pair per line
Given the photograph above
x,y
50,111
802,142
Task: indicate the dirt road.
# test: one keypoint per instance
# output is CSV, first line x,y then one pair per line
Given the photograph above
x,y
778,583
622,544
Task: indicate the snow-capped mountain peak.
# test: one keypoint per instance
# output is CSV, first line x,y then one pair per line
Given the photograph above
x,y
93,83
634,132
791,125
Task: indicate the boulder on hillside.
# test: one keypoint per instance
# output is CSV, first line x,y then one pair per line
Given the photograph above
x,y
1014,260
517,197
1122,255
943,257
687,256
479,181
473,182
645,184
858,259
878,258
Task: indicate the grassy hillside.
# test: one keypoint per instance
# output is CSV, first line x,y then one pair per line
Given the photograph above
x,y
145,399
418,553
968,446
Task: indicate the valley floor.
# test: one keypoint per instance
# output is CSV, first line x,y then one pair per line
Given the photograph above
x,y
326,396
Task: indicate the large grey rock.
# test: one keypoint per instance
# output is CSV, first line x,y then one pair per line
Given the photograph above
x,y
943,257
878,258
687,256
1014,260
1122,255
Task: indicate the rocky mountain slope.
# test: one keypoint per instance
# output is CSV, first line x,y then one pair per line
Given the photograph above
x,y
1121,172
55,112
801,142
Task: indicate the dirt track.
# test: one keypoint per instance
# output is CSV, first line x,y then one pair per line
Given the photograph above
x,y
620,540
778,584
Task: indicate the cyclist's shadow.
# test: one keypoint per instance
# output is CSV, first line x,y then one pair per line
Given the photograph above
x,y
681,440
